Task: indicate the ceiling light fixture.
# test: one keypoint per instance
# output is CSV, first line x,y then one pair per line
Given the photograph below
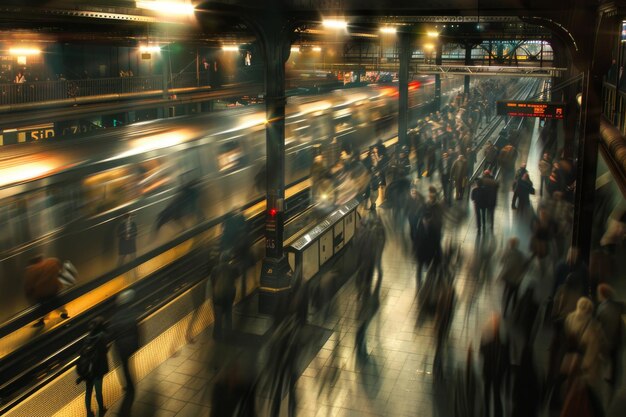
x,y
335,23
171,7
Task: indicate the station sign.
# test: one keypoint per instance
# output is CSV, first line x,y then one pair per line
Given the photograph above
x,y
541,109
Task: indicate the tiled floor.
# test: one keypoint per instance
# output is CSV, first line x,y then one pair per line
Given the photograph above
x,y
395,378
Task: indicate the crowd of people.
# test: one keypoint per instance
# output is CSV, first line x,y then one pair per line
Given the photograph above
x,y
548,290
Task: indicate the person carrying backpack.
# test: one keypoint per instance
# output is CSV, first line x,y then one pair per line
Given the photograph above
x,y
92,364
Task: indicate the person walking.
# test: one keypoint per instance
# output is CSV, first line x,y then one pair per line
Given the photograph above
x,y
494,352
458,174
609,315
545,167
125,335
518,176
523,189
44,279
514,264
491,196
221,290
92,364
478,196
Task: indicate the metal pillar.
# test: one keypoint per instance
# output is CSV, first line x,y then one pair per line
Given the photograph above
x,y
403,75
166,80
597,62
275,273
468,61
438,61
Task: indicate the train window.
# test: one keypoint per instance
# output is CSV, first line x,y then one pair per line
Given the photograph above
x,y
108,190
229,156
6,225
64,200
40,214
13,223
155,175
189,164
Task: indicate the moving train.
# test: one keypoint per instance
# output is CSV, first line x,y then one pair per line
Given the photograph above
x,y
65,199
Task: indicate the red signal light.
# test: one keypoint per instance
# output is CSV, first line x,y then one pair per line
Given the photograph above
x,y
272,212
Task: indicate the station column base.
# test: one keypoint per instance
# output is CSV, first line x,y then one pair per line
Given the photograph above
x,y
276,280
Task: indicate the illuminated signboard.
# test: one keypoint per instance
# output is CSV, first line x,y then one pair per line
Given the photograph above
x,y
531,109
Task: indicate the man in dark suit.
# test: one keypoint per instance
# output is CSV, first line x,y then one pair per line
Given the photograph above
x,y
491,196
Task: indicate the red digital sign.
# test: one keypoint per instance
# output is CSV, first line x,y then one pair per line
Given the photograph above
x,y
541,109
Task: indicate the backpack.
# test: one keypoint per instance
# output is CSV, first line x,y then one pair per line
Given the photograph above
x,y
86,360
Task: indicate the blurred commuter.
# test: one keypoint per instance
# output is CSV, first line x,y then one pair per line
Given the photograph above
x,y
234,390
506,161
283,365
494,352
221,290
445,165
514,264
458,174
470,154
401,165
370,243
526,396
92,364
479,197
609,315
427,243
126,239
185,203
518,176
236,241
545,166
572,268
124,332
585,338
523,189
318,172
566,298
376,176
490,152
491,197
544,230
20,78
44,279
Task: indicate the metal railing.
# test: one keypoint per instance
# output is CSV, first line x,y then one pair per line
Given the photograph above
x,y
45,91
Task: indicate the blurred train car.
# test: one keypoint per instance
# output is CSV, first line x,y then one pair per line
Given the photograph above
x,y
65,199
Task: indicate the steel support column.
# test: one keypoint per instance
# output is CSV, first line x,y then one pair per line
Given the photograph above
x,y
274,36
438,61
598,61
468,61
403,75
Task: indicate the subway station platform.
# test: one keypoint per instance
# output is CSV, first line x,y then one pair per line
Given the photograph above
x,y
396,378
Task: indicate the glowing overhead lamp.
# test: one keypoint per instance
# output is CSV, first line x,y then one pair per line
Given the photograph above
x,y
388,30
317,49
230,48
149,48
295,49
335,23
24,51
432,34
170,7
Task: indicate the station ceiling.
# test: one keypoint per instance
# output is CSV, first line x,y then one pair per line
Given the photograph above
x,y
219,21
